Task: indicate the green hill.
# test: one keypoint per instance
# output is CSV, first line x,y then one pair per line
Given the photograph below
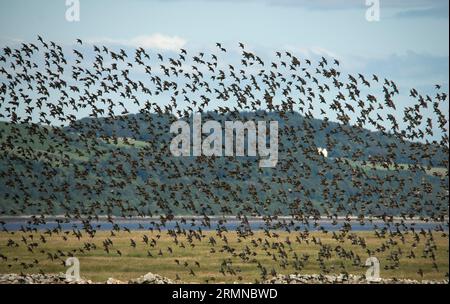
x,y
123,166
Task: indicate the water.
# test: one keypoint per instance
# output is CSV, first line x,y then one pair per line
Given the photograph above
x,y
17,224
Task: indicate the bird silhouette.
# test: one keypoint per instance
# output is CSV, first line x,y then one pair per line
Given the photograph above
x,y
85,135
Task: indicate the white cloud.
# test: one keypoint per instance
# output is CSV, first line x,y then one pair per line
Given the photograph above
x,y
159,41
311,52
11,39
154,41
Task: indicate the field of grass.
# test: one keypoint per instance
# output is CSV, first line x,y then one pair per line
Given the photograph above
x,y
438,171
241,254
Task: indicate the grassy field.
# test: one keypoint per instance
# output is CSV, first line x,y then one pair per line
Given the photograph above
x,y
438,171
98,265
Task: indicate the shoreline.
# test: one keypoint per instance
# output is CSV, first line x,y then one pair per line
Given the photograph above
x,y
227,217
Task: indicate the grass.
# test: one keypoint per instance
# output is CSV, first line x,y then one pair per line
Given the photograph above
x,y
368,166
98,265
126,142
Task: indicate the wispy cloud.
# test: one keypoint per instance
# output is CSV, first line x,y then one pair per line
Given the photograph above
x,y
311,52
339,4
155,41
435,12
355,4
415,69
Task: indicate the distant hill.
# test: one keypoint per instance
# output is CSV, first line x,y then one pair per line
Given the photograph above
x,y
348,141
124,166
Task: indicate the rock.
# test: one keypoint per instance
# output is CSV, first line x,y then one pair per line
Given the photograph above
x,y
113,281
341,279
151,278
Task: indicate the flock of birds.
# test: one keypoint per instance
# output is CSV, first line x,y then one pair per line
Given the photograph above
x,y
54,163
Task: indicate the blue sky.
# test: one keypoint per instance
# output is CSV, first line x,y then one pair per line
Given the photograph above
x,y
335,25
415,31
409,44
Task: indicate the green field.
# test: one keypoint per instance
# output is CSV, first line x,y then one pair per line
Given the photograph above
x,y
243,253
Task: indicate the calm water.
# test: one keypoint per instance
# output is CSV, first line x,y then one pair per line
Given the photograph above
x,y
230,225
